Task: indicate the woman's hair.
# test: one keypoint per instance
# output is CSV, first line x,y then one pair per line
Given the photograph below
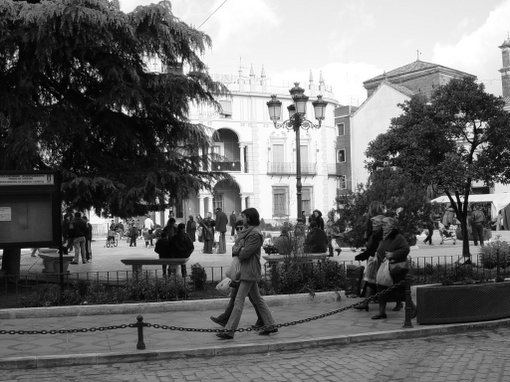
x,y
252,216
181,227
375,208
390,222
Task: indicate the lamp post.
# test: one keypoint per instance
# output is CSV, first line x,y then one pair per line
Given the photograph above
x,y
297,121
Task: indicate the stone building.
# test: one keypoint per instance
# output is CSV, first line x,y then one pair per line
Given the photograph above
x,y
373,117
261,158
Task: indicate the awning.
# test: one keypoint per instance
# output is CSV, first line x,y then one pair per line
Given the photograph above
x,y
498,201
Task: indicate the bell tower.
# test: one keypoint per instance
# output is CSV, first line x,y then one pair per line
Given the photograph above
x,y
505,70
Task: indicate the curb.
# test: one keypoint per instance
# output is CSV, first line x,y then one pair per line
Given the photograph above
x,y
238,349
166,306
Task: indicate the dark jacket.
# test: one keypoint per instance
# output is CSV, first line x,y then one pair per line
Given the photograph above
x,y
77,228
207,228
221,222
372,245
88,236
317,219
283,244
316,241
181,246
247,247
162,248
395,243
232,220
191,229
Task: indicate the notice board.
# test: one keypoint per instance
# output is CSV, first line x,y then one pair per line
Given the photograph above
x,y
30,210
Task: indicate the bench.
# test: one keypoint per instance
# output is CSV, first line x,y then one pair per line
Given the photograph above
x,y
276,258
174,265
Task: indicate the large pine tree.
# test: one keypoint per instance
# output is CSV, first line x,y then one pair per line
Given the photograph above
x,y
76,96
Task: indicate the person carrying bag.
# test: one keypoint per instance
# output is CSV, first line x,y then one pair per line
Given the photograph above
x,y
392,253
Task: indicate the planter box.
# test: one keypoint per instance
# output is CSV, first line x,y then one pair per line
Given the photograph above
x,y
51,261
462,303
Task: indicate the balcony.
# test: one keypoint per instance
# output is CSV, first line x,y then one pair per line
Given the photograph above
x,y
289,168
226,166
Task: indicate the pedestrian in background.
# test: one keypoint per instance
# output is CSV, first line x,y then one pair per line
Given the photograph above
x,y
207,225
191,228
78,231
316,217
181,246
232,222
133,234
220,225
477,220
88,239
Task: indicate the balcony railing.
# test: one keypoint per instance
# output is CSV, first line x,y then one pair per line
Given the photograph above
x,y
226,166
289,168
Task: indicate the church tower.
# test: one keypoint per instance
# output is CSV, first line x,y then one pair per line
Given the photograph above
x,y
505,70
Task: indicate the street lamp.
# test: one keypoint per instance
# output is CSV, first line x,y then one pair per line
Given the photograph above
x,y
297,120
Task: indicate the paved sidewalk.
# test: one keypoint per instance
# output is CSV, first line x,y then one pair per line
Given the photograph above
x,y
119,345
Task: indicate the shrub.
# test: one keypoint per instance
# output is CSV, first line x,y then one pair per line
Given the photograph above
x,y
85,292
296,276
463,274
491,251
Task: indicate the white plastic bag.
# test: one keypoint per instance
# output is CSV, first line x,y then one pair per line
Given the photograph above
x,y
224,285
383,275
234,272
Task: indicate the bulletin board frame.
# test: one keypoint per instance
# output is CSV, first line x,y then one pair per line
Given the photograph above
x,y
30,210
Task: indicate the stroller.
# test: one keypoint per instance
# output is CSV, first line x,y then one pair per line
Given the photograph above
x,y
447,233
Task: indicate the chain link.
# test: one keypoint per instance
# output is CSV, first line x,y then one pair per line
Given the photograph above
x,y
206,330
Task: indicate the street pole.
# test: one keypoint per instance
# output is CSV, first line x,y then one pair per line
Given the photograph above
x,y
297,120
297,126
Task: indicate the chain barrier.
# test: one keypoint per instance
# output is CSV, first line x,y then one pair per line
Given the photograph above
x,y
203,330
67,331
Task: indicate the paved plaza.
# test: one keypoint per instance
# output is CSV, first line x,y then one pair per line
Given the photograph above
x,y
108,259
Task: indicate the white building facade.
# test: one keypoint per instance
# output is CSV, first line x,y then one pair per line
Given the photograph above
x,y
260,158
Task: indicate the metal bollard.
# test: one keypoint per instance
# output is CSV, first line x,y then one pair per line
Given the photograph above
x,y
409,304
140,344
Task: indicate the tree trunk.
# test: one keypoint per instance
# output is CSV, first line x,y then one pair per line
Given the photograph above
x,y
11,261
465,238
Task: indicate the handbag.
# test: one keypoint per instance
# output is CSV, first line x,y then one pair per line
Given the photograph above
x,y
234,271
398,271
370,272
224,285
383,275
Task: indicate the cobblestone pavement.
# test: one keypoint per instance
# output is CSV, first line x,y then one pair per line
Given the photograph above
x,y
473,356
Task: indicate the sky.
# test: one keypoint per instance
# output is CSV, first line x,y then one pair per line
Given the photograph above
x,y
350,41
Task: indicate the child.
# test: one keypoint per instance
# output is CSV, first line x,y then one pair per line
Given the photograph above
x,y
147,237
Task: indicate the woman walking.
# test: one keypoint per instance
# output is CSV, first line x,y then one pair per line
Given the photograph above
x,y
247,247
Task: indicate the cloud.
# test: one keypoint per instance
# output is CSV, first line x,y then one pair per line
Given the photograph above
x,y
237,22
477,52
